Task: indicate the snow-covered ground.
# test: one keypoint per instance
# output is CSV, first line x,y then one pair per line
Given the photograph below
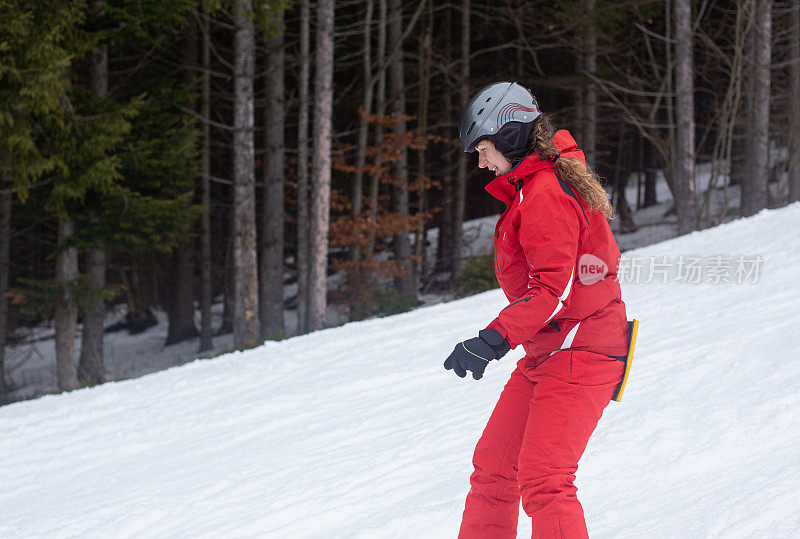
x,y
31,364
357,431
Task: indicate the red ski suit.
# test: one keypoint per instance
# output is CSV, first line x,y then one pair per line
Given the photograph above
x,y
557,261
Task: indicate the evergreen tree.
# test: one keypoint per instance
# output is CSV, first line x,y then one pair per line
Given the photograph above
x,y
36,47
119,166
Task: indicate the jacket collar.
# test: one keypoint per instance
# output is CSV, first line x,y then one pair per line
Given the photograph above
x,y
505,187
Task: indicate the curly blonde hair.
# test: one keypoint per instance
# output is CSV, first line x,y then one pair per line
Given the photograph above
x,y
579,176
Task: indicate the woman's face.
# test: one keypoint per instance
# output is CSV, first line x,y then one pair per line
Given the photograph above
x,y
490,157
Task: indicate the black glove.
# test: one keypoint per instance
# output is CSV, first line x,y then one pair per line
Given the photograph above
x,y
474,354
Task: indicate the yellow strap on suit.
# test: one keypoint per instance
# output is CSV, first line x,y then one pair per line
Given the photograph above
x,y
633,326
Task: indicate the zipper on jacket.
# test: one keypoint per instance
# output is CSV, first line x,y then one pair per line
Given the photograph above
x,y
497,235
499,228
526,298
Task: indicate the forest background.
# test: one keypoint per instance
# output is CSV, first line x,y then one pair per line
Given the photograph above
x,y
169,154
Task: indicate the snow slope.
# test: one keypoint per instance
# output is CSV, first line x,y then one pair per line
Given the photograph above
x,y
357,431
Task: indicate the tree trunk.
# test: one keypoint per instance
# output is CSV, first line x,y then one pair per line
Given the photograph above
x,y
321,176
139,316
650,178
420,246
669,166
445,256
444,247
65,312
754,188
685,199
206,293
405,282
6,200
227,311
357,195
271,280
303,252
579,95
380,110
794,85
589,142
90,365
621,181
181,297
743,145
245,273
461,176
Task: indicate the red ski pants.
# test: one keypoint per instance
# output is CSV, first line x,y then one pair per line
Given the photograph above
x,y
532,443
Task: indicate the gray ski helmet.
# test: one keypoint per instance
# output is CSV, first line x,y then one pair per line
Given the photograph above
x,y
493,107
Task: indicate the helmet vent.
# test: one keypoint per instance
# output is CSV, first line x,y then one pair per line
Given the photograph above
x,y
470,128
480,112
488,99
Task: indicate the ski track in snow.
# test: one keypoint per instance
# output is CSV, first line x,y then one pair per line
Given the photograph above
x,y
358,431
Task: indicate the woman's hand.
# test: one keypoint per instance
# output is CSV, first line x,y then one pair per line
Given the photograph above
x,y
474,354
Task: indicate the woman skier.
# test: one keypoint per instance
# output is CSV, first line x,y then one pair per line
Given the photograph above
x,y
556,260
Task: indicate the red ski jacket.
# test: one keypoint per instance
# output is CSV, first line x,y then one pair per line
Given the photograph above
x,y
557,262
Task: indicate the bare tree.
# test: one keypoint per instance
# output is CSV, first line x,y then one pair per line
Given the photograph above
x,y
589,131
649,102
303,252
685,201
461,176
363,125
271,280
65,311
424,73
405,282
321,174
245,276
668,153
727,111
754,188
380,110
445,248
